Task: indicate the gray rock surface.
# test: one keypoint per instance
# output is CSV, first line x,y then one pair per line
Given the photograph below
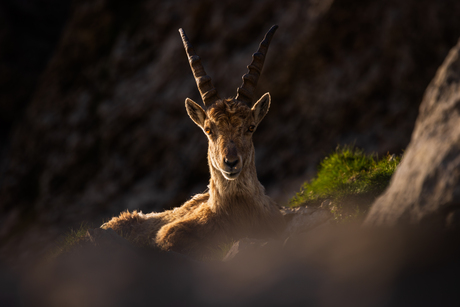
x,y
244,245
426,186
299,221
302,219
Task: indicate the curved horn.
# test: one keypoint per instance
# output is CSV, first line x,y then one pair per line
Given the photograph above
x,y
203,81
246,90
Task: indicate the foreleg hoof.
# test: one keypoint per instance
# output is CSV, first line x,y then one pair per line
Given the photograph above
x,y
178,236
125,222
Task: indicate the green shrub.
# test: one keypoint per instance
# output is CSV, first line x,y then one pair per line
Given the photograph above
x,y
347,183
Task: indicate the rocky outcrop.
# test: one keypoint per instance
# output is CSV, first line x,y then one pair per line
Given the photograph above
x,y
343,266
299,220
426,186
303,219
107,130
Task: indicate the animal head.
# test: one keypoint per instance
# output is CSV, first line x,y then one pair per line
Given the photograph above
x,y
229,123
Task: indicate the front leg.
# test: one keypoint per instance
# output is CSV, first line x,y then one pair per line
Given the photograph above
x,y
191,236
180,236
125,222
137,227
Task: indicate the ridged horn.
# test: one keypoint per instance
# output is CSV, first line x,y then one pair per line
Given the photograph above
x,y
245,92
203,81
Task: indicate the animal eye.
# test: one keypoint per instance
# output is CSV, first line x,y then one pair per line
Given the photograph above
x,y
207,130
251,128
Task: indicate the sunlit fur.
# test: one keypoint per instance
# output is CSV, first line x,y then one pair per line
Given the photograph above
x,y
231,208
229,122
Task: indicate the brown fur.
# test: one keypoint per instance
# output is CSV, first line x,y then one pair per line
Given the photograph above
x,y
235,205
231,209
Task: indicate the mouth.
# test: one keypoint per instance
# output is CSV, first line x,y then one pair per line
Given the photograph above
x,y
231,175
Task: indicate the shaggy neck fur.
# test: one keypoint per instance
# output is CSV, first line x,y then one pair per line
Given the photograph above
x,y
245,190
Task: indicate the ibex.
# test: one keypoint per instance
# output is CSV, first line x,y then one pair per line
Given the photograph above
x,y
235,205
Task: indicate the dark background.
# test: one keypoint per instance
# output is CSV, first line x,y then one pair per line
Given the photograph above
x,y
92,97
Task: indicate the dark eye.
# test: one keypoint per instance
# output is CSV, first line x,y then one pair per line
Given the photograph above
x,y
207,130
251,128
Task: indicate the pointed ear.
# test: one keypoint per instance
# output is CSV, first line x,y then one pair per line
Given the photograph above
x,y
261,107
196,113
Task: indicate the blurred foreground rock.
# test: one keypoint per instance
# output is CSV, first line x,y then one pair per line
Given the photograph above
x,y
343,266
426,186
339,265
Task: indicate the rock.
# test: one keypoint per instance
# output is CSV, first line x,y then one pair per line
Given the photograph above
x,y
244,245
339,266
106,237
453,219
298,220
302,219
109,240
425,188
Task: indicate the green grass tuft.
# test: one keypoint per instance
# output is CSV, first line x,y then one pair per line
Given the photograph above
x,y
347,183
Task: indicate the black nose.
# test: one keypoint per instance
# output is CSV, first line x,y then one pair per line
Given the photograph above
x,y
231,163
